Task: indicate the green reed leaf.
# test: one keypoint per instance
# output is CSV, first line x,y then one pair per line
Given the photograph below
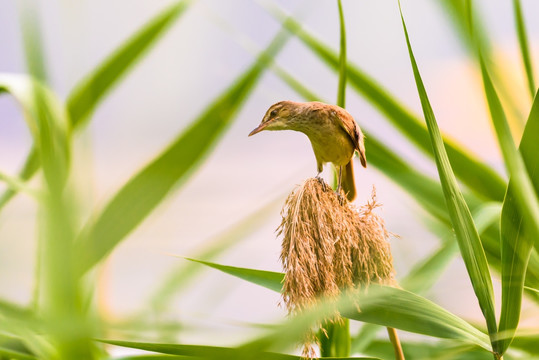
x,y
211,352
524,47
15,355
470,245
48,123
341,93
145,190
385,306
517,237
268,279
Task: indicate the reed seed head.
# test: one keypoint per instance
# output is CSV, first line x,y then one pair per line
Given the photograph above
x,y
329,246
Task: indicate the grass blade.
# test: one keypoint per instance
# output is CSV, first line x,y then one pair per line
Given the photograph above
x,y
341,94
479,177
461,218
47,121
524,47
29,168
32,41
268,279
383,306
517,238
15,355
211,352
144,191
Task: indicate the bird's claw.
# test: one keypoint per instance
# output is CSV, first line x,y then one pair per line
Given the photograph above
x,y
341,197
322,182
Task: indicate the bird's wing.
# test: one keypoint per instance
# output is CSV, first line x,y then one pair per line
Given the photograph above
x,y
347,122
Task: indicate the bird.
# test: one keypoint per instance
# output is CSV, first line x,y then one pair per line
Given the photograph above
x,y
334,134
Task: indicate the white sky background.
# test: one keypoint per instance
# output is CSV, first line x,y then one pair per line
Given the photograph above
x,y
188,68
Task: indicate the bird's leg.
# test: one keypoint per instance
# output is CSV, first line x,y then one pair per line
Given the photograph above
x,y
339,195
319,169
339,178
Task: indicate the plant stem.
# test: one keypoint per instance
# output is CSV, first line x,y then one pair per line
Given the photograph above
x,y
394,338
335,338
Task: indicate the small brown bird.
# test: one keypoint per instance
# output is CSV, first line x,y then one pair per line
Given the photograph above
x,y
334,135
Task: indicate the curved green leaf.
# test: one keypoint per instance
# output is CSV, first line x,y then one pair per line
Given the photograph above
x,y
517,239
470,246
524,47
15,355
268,279
385,306
48,123
212,352
145,190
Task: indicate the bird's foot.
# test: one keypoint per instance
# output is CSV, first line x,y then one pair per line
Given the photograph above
x,y
325,186
341,197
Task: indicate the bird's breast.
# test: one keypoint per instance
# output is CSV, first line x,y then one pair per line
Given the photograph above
x,y
332,145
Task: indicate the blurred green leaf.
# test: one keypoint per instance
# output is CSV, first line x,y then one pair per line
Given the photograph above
x,y
479,177
48,123
93,88
145,190
181,276
441,350
212,352
385,306
524,47
527,343
31,35
460,10
16,184
517,239
11,354
341,92
461,218
422,276
29,168
154,357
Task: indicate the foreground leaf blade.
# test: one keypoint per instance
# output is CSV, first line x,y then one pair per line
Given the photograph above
x,y
409,312
517,240
212,352
470,246
524,47
148,188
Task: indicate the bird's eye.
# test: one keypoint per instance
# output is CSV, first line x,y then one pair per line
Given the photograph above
x,y
273,113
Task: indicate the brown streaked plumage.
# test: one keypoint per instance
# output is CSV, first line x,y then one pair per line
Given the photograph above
x,y
334,135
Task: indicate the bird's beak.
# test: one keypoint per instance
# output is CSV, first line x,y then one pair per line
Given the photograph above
x,y
258,129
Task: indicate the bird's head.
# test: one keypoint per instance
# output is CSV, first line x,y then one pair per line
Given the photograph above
x,y
280,116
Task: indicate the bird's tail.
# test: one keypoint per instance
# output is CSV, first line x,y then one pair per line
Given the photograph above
x,y
348,182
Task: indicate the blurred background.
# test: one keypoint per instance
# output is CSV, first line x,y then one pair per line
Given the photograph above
x,y
193,63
